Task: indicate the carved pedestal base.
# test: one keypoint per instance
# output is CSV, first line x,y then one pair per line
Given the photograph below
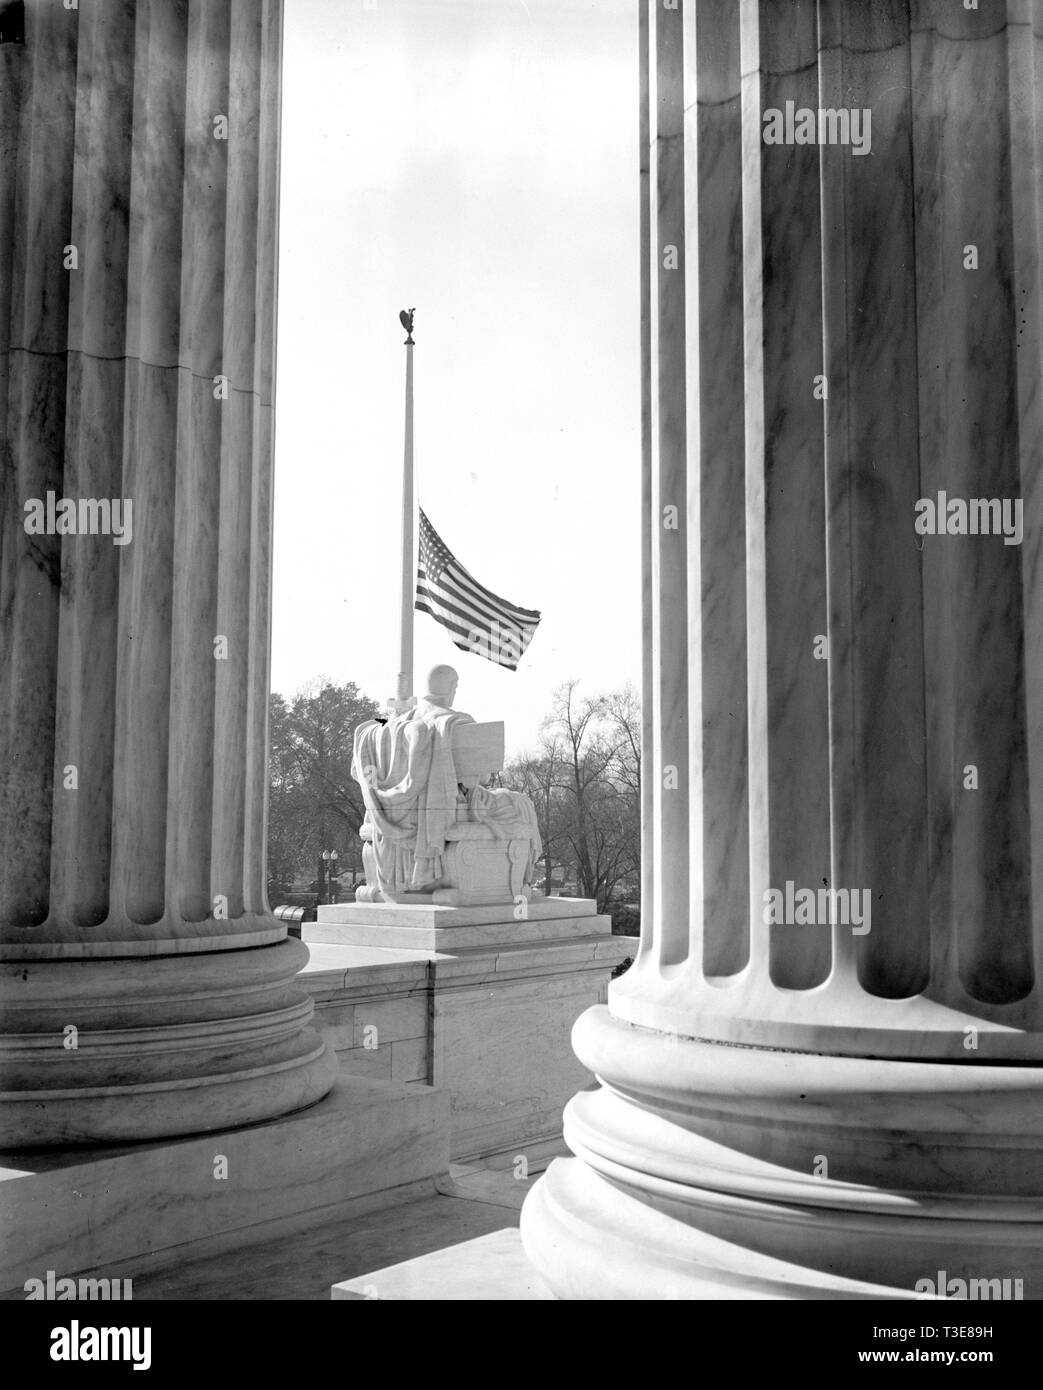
x,y
429,926
705,1171
479,869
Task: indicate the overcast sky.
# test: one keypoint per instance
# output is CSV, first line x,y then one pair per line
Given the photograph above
x,y
476,159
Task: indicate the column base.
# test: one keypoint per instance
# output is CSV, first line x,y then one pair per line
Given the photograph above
x,y
705,1171
124,1049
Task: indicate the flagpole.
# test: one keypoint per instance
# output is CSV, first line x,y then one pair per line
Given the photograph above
x,y
404,693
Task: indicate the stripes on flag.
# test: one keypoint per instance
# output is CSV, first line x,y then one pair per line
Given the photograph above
x,y
477,620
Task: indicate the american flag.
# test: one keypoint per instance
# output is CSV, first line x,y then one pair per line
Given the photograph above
x,y
478,621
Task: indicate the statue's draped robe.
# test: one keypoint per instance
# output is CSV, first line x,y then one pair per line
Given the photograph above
x,y
510,816
410,790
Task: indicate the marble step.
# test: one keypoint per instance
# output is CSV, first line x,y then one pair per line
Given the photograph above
x,y
116,1211
492,1268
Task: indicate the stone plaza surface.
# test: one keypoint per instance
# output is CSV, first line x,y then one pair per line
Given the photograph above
x,y
488,1268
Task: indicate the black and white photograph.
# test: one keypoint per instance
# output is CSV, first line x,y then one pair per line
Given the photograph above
x,y
521,673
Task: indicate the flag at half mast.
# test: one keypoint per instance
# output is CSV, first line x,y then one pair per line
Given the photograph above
x,y
478,620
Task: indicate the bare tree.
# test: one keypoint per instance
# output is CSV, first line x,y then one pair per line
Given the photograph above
x,y
537,775
624,716
585,782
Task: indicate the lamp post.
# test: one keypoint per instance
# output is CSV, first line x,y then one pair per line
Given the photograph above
x,y
329,857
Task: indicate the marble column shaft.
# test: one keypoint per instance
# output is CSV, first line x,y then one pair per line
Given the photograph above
x,y
837,701
138,216
798,263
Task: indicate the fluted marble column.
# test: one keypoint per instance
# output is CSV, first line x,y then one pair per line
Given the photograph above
x,y
838,701
148,990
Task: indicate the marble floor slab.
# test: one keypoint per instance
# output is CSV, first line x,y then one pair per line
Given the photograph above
x,y
478,1200
491,1268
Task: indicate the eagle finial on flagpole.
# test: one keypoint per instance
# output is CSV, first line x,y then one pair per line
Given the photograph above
x,y
405,318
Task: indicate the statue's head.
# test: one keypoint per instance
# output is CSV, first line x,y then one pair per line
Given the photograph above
x,y
441,685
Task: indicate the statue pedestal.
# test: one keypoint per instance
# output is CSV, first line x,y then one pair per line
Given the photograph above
x,y
434,926
472,1000
482,869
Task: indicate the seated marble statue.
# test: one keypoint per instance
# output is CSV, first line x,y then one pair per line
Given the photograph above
x,y
426,833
